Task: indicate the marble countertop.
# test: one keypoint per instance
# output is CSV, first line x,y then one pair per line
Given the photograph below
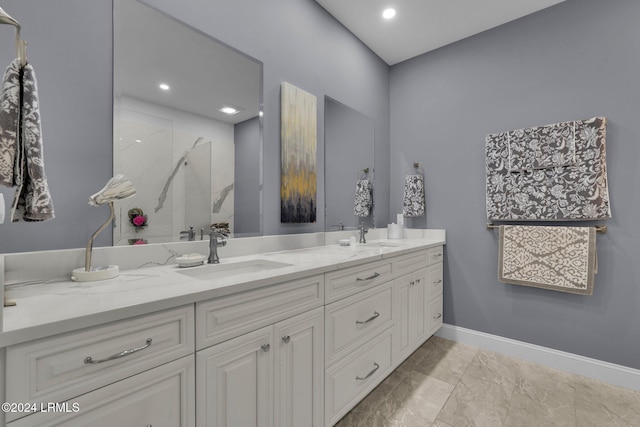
x,y
56,307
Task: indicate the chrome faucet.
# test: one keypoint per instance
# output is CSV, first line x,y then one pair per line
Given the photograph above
x,y
213,245
363,231
189,234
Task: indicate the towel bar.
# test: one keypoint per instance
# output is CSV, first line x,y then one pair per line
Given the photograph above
x,y
602,229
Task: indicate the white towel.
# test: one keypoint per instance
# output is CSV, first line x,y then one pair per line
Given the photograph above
x,y
9,122
363,198
414,200
32,197
550,257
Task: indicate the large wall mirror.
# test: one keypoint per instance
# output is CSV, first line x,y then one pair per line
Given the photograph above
x,y
349,148
187,130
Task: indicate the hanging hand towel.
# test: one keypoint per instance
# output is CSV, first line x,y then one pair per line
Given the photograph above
x,y
556,258
414,201
32,197
9,121
363,198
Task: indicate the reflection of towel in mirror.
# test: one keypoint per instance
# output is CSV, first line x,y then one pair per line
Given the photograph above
x,y
9,120
32,197
414,201
363,198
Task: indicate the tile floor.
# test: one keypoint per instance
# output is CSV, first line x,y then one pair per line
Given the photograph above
x,y
447,384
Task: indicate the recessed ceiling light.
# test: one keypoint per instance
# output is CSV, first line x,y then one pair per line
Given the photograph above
x,y
138,140
229,110
164,86
389,13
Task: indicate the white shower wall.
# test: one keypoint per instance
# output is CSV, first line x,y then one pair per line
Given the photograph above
x,y
149,141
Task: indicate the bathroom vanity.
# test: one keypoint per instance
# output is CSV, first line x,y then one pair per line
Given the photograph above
x,y
288,338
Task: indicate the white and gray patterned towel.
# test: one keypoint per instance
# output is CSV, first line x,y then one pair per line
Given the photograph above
x,y
32,198
363,201
542,147
576,191
556,258
9,123
414,200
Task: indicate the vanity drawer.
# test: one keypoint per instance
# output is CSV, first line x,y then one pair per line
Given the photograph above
x,y
353,320
409,263
228,317
435,315
348,281
162,396
435,255
64,366
351,379
434,280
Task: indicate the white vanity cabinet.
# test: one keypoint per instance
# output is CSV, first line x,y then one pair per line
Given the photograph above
x,y
160,397
271,376
140,369
298,352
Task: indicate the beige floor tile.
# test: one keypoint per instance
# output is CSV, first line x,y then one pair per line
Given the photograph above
x,y
599,404
426,399
495,367
476,402
446,360
542,397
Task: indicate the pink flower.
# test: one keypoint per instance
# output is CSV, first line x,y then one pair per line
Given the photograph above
x,y
139,221
139,242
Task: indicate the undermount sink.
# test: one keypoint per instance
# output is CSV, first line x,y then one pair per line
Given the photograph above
x,y
217,271
381,245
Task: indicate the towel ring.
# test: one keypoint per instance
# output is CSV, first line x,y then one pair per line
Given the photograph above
x,y
362,174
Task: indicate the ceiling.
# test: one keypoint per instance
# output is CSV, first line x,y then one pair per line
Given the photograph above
x,y
423,25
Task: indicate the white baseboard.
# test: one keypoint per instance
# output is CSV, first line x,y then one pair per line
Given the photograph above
x,y
597,369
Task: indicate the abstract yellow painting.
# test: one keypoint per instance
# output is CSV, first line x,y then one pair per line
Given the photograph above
x,y
298,142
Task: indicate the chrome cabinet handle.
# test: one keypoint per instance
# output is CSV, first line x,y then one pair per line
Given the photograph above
x,y
89,360
286,339
437,255
411,283
370,319
373,371
438,316
438,281
358,279
417,280
265,348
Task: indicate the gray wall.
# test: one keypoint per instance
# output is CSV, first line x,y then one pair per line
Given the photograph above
x,y
572,61
70,46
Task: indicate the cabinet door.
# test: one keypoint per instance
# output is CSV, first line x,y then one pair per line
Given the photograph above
x,y
160,397
234,386
299,370
402,302
419,299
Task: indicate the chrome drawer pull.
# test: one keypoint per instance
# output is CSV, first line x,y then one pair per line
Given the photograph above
x,y
265,347
438,316
437,255
438,281
358,279
370,319
286,339
89,360
373,371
